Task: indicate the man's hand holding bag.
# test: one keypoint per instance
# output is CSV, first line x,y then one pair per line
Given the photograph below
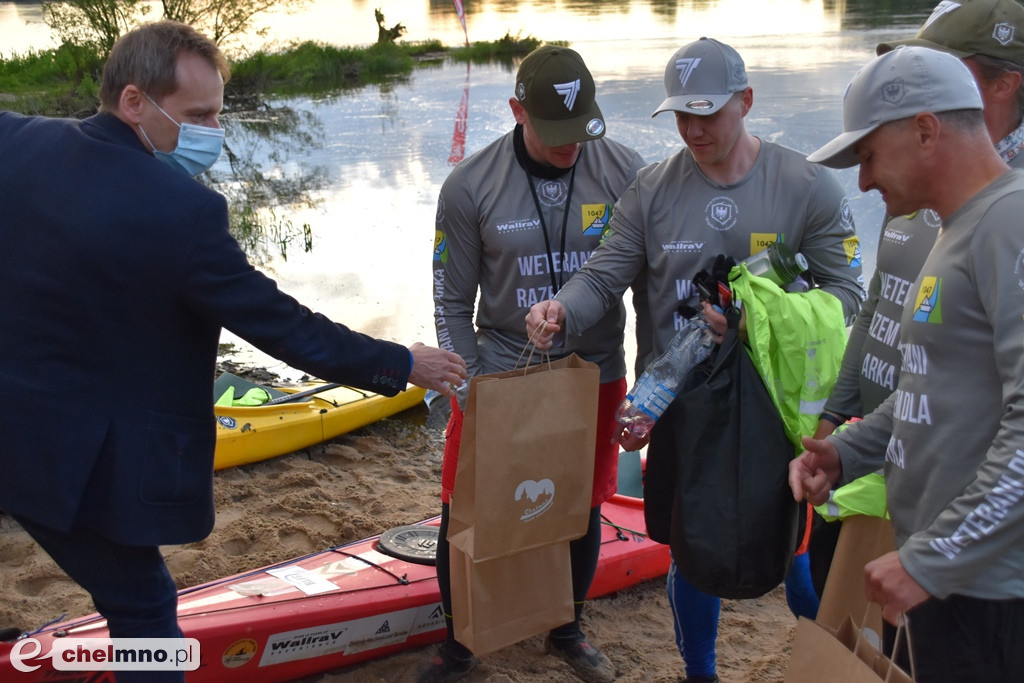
x,y
526,461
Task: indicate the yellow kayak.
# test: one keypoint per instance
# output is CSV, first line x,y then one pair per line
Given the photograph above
x,y
252,433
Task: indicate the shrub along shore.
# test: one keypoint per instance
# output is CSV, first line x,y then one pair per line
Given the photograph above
x,y
64,81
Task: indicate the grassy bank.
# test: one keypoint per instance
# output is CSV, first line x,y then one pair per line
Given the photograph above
x,y
64,81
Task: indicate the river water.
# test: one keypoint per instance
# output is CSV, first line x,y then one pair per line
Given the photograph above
x,y
378,154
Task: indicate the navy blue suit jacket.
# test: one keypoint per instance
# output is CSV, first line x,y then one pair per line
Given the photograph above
x,y
117,274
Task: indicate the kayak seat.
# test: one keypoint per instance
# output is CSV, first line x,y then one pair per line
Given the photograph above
x,y
241,386
631,476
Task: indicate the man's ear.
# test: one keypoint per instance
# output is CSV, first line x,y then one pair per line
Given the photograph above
x,y
748,100
926,128
518,111
130,103
1005,86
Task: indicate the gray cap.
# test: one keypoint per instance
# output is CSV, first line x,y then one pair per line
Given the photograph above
x,y
897,85
701,77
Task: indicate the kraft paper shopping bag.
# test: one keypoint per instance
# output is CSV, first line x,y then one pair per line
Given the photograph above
x,y
861,540
499,602
526,460
838,655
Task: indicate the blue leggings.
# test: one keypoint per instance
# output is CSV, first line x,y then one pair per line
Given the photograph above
x,y
695,614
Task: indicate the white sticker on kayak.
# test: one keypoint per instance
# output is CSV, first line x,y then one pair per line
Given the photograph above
x,y
303,579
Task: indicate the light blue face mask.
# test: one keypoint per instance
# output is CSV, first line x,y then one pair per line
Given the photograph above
x,y
198,146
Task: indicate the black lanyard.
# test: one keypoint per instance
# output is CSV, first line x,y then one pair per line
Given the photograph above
x,y
555,285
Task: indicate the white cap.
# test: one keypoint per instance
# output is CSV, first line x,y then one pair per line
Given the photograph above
x,y
701,77
908,81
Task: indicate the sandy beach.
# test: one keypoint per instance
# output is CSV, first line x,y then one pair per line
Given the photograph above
x,y
359,485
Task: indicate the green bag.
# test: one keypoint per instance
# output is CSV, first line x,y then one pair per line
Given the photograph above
x,y
796,341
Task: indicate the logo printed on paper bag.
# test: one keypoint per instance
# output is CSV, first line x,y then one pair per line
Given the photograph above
x,y
540,495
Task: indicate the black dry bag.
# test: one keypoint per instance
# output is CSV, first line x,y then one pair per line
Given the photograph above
x,y
716,486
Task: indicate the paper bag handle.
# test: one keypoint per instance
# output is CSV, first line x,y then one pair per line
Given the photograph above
x,y
902,630
529,345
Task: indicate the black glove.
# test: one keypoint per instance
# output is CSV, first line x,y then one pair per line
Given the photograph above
x,y
713,285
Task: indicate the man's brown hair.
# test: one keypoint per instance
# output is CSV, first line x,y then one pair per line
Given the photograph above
x,y
147,56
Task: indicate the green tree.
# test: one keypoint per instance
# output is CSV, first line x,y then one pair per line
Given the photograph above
x,y
97,24
92,24
221,19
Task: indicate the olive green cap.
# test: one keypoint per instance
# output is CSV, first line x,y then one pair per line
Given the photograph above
x,y
993,28
558,93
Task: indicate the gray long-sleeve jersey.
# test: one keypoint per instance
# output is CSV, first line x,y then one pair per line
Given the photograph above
x,y
871,366
490,239
953,431
675,220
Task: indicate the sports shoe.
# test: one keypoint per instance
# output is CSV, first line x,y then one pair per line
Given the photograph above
x,y
701,679
586,661
445,668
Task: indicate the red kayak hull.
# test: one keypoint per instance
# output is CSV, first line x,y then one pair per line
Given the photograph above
x,y
255,627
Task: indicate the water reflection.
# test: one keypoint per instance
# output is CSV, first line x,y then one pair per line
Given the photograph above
x,y
375,157
263,185
386,153
353,22
458,152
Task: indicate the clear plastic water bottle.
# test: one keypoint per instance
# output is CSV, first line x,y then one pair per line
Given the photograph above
x,y
657,386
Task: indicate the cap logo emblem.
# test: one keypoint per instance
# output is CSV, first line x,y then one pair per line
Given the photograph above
x,y
1003,33
893,91
568,91
520,91
686,66
595,127
700,104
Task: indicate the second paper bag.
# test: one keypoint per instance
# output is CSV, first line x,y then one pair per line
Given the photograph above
x,y
526,461
496,603
838,655
861,540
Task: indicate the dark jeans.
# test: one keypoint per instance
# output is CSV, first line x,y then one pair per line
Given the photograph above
x,y
130,586
963,640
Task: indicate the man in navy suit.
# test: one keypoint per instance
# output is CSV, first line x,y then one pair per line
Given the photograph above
x,y
112,258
